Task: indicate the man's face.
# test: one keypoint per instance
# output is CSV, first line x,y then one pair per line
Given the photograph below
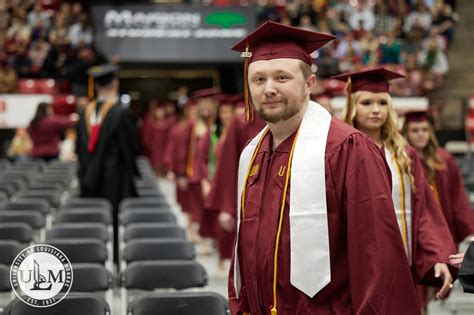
x,y
419,134
278,88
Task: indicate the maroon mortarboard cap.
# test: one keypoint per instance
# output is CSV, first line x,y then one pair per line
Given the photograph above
x,y
205,93
372,80
274,40
418,116
226,99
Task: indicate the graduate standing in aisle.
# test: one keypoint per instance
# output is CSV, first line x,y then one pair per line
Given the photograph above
x,y
316,228
107,145
443,175
424,231
210,150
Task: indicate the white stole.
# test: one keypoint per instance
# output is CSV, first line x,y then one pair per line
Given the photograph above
x,y
310,269
396,197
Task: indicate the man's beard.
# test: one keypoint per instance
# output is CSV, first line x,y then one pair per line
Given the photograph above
x,y
286,113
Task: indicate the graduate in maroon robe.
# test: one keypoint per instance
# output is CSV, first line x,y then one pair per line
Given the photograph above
x,y
424,231
146,130
211,147
443,175
175,156
317,232
159,134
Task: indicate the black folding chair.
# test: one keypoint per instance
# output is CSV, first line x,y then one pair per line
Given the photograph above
x,y
79,230
179,303
150,202
27,204
146,215
81,250
9,249
72,304
82,203
84,215
158,249
20,232
149,230
176,274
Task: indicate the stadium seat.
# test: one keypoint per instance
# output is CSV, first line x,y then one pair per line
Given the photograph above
x,y
52,196
31,217
155,203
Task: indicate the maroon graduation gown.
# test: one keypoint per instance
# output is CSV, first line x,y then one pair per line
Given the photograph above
x,y
432,241
159,135
453,198
369,268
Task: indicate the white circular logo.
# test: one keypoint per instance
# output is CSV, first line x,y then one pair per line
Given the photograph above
x,y
41,275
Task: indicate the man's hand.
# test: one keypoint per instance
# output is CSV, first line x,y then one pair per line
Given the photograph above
x,y
456,260
182,183
441,270
205,188
227,221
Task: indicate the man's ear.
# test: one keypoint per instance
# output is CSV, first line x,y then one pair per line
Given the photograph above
x,y
310,83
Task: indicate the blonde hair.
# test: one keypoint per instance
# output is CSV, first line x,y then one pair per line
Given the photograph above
x,y
391,138
431,158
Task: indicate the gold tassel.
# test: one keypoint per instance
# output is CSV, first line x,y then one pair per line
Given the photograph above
x,y
347,119
248,103
90,90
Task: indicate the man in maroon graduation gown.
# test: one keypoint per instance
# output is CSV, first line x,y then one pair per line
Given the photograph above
x,y
316,229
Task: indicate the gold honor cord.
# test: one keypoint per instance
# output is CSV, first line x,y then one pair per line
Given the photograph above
x,y
190,157
282,211
435,192
402,206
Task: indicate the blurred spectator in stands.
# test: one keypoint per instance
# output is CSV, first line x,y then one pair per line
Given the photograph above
x,y
67,148
390,50
81,32
327,65
338,22
76,11
347,46
19,28
66,15
45,129
444,20
8,76
412,84
87,57
384,22
433,59
306,23
54,63
417,23
20,146
369,46
362,18
17,47
38,16
38,52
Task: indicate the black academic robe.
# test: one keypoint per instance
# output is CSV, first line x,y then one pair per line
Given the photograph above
x,y
108,172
